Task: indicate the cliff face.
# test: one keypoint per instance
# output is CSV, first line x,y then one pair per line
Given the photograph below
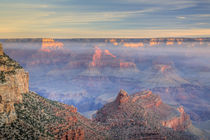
x,y
13,82
181,122
11,92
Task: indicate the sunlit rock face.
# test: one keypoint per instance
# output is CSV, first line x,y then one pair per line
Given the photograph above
x,y
114,42
103,58
14,81
122,97
153,42
49,44
170,41
181,122
134,45
96,60
107,52
179,41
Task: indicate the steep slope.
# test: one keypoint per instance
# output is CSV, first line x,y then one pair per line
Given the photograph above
x,y
143,115
39,118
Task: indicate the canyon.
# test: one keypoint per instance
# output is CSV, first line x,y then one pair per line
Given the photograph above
x,y
140,115
74,74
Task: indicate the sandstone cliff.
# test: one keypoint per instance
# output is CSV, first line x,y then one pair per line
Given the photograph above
x,y
13,83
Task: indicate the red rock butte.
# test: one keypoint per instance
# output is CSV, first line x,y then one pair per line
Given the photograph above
x,y
134,45
49,44
96,57
145,102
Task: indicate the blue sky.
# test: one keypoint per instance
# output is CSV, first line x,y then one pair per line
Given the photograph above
x,y
108,18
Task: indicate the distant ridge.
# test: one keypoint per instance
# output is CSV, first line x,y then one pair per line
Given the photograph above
x,y
104,39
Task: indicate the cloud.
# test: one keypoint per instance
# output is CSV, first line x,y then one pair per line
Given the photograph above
x,y
202,15
202,23
124,18
44,19
25,6
195,17
99,16
180,17
165,4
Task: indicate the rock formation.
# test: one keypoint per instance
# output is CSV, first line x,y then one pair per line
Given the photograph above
x,y
13,82
143,116
122,97
49,44
178,123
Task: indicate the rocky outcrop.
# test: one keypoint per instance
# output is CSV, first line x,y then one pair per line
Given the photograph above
x,y
143,115
122,97
13,83
147,99
181,122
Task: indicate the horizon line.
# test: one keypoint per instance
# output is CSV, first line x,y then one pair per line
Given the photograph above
x,y
107,38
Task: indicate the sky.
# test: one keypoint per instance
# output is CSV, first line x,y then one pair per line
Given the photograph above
x,y
104,18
